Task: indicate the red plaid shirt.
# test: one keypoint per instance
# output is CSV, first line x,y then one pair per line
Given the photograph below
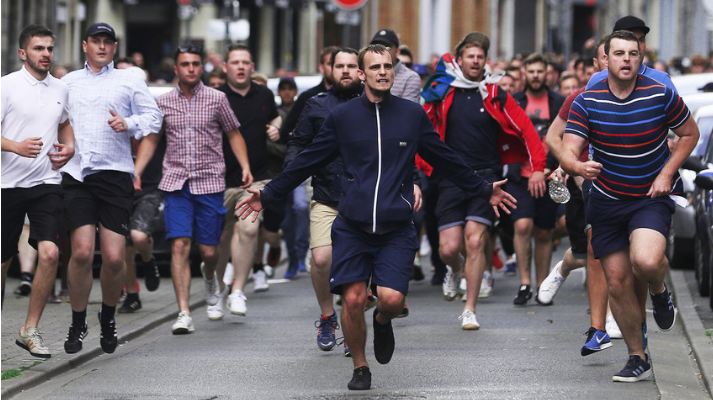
x,y
194,131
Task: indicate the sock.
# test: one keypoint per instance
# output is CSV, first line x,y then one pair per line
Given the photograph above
x,y
26,277
131,297
79,318
107,314
258,267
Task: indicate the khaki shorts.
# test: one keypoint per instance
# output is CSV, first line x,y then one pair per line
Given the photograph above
x,y
233,196
321,217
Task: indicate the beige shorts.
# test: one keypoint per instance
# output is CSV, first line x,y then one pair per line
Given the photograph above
x,y
321,217
233,196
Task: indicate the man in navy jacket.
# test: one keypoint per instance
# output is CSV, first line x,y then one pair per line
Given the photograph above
x,y
377,136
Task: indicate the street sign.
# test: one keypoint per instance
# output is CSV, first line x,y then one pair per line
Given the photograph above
x,y
350,4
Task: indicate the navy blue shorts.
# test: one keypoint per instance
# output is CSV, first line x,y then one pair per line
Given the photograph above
x,y
357,255
185,213
542,210
613,220
455,207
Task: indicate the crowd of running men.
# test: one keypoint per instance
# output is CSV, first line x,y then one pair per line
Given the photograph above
x,y
472,157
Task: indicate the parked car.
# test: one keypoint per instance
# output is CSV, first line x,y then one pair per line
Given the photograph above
x,y
703,203
680,249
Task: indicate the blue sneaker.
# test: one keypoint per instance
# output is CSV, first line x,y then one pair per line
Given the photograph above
x,y
510,268
291,272
326,328
347,352
301,267
596,341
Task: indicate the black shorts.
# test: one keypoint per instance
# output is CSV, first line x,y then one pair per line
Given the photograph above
x,y
147,216
542,210
455,207
105,197
576,220
614,220
43,206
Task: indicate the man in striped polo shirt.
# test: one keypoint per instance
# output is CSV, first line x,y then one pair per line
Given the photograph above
x,y
625,119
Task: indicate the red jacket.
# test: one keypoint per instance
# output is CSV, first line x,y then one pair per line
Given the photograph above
x,y
519,143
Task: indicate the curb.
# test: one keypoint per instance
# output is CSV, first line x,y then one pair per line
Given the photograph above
x,y
64,366
693,329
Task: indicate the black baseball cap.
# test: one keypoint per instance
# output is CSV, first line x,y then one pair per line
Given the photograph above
x,y
287,82
100,28
387,37
631,23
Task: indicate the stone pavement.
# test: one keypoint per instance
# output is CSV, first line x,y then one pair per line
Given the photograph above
x,y
158,307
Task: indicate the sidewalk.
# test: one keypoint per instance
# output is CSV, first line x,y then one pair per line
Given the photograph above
x,y
158,307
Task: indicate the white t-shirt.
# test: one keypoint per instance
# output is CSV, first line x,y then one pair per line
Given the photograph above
x,y
31,108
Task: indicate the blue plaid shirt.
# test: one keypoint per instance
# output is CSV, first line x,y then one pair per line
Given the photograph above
x,y
91,95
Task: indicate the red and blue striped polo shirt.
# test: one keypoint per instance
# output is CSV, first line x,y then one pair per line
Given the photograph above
x,y
628,136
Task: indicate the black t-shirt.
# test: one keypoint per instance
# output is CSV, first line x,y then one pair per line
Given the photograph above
x,y
254,111
471,131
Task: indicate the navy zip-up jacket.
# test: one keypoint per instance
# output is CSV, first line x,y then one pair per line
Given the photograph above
x,y
377,143
327,182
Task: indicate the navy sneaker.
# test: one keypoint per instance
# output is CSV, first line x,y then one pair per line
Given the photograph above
x,y
326,327
664,311
291,272
510,267
635,370
347,351
596,341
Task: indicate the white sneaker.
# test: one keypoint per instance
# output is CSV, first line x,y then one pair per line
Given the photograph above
x,y
269,271
183,324
215,313
463,289
486,285
549,287
260,282
425,248
612,328
237,303
468,321
449,284
211,288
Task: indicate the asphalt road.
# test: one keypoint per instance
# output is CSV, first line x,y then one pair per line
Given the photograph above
x,y
530,352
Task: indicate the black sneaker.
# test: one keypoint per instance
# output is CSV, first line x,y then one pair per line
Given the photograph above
x,y
130,305
108,339
75,337
664,311
635,370
361,380
384,342
523,295
25,287
151,276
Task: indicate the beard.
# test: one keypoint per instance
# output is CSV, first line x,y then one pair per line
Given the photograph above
x,y
350,90
539,87
37,67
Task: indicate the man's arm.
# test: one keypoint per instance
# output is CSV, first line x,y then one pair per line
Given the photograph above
x,y
688,138
240,150
64,149
144,154
554,136
29,147
412,88
273,129
146,117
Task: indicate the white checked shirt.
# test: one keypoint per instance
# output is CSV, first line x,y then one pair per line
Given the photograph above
x,y
91,95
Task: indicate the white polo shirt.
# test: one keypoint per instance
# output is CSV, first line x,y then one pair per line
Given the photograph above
x,y
31,108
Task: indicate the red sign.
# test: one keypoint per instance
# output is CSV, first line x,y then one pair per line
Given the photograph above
x,y
350,4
